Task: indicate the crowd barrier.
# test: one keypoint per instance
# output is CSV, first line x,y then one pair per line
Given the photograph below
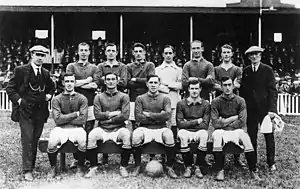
x,y
287,104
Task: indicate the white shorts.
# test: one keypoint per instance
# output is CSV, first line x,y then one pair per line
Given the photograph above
x,y
59,136
143,135
186,137
100,134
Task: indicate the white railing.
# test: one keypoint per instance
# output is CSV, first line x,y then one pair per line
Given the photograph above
x,y
5,104
287,104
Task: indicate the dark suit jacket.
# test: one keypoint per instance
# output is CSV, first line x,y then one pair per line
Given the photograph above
x,y
18,85
259,90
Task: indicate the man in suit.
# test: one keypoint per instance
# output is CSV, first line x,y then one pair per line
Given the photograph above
x,y
259,90
30,89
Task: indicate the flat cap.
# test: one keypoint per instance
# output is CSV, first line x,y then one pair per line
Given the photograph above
x,y
40,49
254,49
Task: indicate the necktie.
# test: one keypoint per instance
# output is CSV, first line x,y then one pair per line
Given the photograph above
x,y
254,69
38,72
39,78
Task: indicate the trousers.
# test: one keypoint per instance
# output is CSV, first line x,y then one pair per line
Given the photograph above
x,y
252,126
31,129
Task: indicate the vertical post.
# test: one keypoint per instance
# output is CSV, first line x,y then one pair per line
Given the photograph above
x,y
191,32
52,43
297,107
259,23
121,36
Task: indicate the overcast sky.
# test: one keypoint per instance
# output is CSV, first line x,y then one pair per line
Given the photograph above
x,y
205,3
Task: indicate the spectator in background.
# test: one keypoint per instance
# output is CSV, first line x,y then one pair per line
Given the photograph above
x,y
287,84
295,88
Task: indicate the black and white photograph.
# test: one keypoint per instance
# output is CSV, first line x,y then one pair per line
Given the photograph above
x,y
140,94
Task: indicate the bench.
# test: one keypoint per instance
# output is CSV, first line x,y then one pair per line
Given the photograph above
x,y
110,147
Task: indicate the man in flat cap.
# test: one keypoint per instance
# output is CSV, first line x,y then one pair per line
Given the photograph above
x,y
259,90
30,89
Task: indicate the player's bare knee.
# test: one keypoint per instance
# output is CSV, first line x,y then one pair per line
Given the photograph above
x,y
168,137
137,137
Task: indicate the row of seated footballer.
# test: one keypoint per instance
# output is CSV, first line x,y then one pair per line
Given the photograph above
x,y
110,147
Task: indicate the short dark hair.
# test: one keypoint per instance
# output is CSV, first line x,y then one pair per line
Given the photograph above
x,y
169,46
196,41
83,44
110,73
67,75
152,75
194,82
226,46
138,45
225,78
111,45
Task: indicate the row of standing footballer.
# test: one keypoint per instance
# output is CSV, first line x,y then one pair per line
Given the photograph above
x,y
153,105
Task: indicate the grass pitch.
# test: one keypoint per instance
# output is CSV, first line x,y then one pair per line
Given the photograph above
x,y
287,162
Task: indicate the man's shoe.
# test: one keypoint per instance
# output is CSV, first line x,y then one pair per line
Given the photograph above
x,y
104,160
52,173
188,172
152,157
92,172
220,175
178,160
28,176
254,175
273,168
198,172
238,162
87,163
79,171
74,164
161,159
207,163
123,172
136,171
171,172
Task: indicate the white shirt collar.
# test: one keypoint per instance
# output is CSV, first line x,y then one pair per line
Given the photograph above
x,y
256,66
35,67
164,64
